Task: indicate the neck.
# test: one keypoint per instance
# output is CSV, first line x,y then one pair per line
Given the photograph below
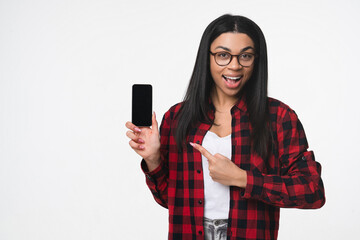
x,y
222,102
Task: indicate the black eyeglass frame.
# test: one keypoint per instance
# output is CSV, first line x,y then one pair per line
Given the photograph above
x,y
231,57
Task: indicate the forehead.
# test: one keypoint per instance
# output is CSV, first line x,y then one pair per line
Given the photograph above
x,y
233,41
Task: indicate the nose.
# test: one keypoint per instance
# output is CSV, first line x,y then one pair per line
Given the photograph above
x,y
234,64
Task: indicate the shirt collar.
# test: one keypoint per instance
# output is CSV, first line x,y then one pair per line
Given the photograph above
x,y
241,104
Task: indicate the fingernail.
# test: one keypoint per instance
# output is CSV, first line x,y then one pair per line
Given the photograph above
x,y
141,147
141,141
192,144
137,129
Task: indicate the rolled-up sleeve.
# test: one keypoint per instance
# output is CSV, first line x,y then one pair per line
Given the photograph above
x,y
299,184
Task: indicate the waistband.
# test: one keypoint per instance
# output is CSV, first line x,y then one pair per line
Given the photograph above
x,y
215,222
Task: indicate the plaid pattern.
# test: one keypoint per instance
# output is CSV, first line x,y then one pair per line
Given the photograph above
x,y
290,177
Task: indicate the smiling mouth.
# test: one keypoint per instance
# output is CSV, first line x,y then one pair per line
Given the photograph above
x,y
232,79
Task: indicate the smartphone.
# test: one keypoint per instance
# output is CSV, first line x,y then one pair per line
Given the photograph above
x,y
141,105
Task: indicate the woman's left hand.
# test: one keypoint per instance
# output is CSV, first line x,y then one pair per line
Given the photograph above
x,y
222,169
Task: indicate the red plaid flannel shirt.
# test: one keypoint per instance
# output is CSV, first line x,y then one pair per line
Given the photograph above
x,y
290,177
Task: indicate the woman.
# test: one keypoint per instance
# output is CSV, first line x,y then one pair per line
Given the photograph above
x,y
228,156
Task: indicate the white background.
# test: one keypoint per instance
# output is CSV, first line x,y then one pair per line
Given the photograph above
x,y
66,71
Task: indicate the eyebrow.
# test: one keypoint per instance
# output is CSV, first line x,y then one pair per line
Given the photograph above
x,y
242,50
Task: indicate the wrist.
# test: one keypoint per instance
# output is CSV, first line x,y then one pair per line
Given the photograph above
x,y
152,163
240,179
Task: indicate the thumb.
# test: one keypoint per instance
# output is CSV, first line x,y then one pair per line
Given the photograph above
x,y
154,125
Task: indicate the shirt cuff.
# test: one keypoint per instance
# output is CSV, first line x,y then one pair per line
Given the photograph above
x,y
154,175
254,185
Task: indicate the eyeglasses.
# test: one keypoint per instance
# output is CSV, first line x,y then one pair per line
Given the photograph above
x,y
224,58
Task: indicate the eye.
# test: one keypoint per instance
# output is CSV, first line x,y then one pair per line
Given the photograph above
x,y
223,55
246,56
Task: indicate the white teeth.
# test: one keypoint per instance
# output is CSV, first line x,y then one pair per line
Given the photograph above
x,y
232,78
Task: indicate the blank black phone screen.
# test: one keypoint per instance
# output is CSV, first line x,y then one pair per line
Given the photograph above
x,y
141,104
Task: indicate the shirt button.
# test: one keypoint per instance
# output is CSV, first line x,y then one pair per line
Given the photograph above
x,y
200,202
198,171
200,232
198,142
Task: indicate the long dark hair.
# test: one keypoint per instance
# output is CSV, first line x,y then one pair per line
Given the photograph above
x,y
195,107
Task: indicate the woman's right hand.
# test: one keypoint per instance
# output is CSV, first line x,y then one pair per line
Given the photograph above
x,y
146,142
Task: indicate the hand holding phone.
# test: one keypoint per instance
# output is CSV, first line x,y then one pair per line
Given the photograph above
x,y
145,141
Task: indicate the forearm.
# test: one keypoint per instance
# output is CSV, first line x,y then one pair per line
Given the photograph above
x,y
157,182
301,188
239,177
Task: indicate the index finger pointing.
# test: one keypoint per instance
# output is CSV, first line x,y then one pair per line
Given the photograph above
x,y
202,150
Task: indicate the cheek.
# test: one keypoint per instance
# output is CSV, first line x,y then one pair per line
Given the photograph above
x,y
215,70
249,72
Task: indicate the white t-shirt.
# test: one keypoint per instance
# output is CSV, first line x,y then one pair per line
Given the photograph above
x,y
217,195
